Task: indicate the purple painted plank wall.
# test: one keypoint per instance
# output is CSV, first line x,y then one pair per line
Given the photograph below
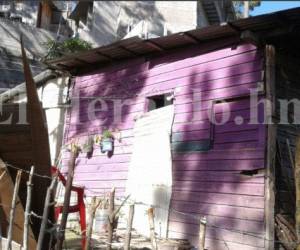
x,y
204,183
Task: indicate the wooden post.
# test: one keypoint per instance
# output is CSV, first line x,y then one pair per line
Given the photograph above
x,y
93,209
290,153
129,228
111,218
271,147
65,211
202,232
152,228
119,208
27,210
13,210
297,187
45,215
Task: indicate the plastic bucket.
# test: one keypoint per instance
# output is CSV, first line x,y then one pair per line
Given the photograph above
x,y
101,221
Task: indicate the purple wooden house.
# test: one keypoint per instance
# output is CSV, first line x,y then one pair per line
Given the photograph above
x,y
191,115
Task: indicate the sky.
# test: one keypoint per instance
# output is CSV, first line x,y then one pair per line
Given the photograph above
x,y
271,6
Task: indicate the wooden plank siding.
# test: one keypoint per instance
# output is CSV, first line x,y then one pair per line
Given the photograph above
x,y
204,183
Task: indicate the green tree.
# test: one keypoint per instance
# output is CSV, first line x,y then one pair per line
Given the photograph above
x,y
239,6
57,49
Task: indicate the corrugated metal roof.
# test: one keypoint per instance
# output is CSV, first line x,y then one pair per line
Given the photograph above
x,y
133,47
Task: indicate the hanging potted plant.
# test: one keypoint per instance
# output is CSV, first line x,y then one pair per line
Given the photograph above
x,y
107,140
88,145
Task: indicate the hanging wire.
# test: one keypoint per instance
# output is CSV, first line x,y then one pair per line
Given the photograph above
x,y
130,201
55,226
27,172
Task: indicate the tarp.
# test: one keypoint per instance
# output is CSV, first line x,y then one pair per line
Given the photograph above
x,y
150,170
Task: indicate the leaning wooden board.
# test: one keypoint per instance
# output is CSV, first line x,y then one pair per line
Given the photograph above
x,y
40,145
6,194
24,142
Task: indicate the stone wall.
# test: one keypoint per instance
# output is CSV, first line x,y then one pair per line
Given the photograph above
x,y
111,19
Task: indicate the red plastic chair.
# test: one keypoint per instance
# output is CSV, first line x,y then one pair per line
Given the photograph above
x,y
79,207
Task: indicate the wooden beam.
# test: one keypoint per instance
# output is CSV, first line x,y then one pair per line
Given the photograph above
x,y
67,197
271,147
82,61
129,228
202,233
27,210
111,218
104,55
152,228
154,45
13,210
44,221
128,50
190,38
94,205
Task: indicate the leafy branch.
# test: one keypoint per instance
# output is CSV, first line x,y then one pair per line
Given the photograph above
x,y
57,49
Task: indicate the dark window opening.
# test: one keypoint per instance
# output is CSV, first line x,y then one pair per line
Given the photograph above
x,y
160,101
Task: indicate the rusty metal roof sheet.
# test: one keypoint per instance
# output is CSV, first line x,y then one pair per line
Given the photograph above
x,y
135,46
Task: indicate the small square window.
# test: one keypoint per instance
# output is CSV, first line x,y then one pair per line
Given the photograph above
x,y
160,101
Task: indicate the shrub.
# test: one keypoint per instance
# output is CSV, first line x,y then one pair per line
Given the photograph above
x,y
57,49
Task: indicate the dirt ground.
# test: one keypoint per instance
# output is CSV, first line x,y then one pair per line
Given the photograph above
x,y
138,242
